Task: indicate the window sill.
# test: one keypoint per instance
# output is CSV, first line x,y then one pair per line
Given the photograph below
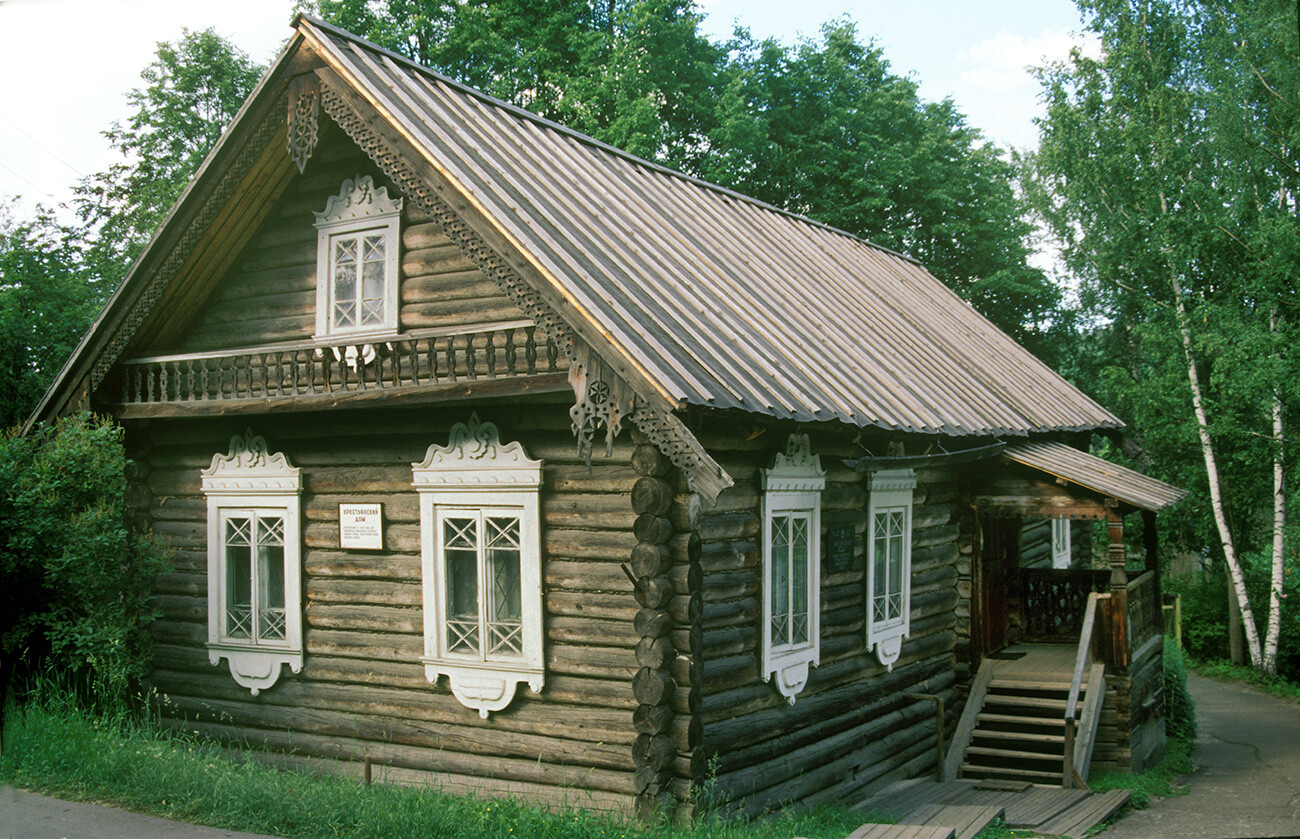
x,y
255,668
483,686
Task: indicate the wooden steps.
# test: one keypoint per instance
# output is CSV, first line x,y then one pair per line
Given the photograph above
x,y
1013,729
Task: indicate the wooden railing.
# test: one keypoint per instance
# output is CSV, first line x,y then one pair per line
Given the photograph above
x,y
1054,600
1144,616
1081,731
344,366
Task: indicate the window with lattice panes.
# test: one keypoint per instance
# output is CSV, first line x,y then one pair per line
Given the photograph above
x,y
254,562
255,575
482,554
791,566
889,562
481,566
357,261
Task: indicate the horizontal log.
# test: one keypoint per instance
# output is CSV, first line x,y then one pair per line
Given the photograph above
x,y
650,560
619,607
368,618
408,593
649,461
424,758
651,495
650,529
652,719
424,234
656,653
652,623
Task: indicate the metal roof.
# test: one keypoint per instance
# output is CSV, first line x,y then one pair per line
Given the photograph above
x,y
1098,475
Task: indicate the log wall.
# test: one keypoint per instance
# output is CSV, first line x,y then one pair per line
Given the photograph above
x,y
271,295
362,692
851,729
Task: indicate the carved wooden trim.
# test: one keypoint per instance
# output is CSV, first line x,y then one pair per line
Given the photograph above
x,y
194,231
303,119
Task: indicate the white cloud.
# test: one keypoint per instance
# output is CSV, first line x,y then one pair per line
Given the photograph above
x,y
997,89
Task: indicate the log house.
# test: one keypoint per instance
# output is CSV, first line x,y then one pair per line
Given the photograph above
x,y
508,463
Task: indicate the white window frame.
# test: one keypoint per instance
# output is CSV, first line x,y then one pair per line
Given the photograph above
x,y
792,489
476,474
890,493
360,209
1061,543
251,481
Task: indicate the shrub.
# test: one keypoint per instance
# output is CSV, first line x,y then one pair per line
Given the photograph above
x,y
1180,710
76,583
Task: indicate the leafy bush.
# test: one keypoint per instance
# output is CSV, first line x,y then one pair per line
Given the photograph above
x,y
76,583
1180,710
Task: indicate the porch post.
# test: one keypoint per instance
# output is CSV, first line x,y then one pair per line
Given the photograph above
x,y
1117,558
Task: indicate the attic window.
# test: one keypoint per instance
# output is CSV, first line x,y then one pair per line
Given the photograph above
x,y
356,261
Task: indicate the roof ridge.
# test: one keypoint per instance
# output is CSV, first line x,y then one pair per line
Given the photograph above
x,y
586,139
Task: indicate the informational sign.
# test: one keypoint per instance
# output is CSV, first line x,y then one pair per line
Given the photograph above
x,y
361,526
837,549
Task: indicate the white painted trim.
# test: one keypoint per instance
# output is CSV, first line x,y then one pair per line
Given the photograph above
x,y
252,480
476,473
359,208
890,491
792,487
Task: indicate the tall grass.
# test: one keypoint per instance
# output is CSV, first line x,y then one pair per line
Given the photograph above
x,y
51,745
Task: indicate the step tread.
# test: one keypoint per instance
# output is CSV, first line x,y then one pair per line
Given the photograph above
x,y
1025,701
1019,720
1011,753
994,734
1008,772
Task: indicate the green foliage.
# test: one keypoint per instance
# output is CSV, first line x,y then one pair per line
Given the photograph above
x,y
46,301
1169,171
1156,781
52,746
76,584
1180,710
193,89
1226,671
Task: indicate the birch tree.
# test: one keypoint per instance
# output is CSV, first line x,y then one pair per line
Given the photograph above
x,y
1168,171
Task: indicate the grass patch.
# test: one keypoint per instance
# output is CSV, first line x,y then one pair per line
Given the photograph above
x,y
1226,671
53,747
1156,781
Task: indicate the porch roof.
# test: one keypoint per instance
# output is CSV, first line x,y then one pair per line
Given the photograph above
x,y
1101,476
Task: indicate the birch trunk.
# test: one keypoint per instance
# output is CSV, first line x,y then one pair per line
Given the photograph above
x,y
1212,473
1279,527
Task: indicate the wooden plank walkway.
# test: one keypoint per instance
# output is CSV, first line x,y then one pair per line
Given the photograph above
x,y
958,804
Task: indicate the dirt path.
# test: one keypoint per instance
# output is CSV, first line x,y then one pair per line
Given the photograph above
x,y
1247,778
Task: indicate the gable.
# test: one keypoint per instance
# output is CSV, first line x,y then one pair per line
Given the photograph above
x,y
270,295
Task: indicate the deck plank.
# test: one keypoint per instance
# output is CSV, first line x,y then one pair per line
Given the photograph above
x,y
1078,820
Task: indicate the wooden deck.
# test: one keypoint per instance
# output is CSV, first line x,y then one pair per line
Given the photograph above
x,y
966,807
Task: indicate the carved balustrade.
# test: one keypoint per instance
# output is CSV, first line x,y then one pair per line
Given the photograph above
x,y
1055,600
316,368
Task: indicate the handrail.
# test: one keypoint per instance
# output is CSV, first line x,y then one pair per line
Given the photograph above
x,y
1071,776
1083,657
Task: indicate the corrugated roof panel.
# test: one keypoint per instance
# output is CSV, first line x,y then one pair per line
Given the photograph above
x,y
721,300
1096,474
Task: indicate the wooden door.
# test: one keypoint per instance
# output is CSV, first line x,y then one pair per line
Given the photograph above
x,y
998,565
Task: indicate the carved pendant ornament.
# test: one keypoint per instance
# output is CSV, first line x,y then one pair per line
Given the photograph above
x,y
602,400
303,119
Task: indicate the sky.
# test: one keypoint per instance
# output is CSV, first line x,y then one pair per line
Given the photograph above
x,y
67,65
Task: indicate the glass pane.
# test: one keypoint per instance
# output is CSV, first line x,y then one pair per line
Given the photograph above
x,y
270,579
372,293
896,565
460,550
780,534
505,610
799,580
239,578
345,282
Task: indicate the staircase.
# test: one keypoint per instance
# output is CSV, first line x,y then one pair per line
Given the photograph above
x,y
1014,728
